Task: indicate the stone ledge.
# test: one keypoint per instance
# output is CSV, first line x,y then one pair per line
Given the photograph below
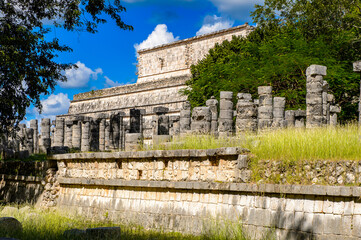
x,y
20,178
131,88
318,190
183,153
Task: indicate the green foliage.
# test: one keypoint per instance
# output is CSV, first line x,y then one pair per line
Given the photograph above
x,y
27,60
280,49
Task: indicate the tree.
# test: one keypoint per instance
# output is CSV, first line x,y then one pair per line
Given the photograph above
x,y
27,60
290,36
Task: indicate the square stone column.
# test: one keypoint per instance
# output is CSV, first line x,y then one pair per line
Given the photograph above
x,y
68,139
59,132
102,134
35,127
314,99
45,141
265,109
185,118
85,134
246,113
213,107
201,120
290,118
225,121
357,69
279,104
76,134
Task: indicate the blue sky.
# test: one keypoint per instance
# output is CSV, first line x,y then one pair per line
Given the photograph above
x,y
108,58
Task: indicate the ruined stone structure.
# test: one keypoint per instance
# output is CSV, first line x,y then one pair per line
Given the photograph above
x,y
175,59
112,132
162,73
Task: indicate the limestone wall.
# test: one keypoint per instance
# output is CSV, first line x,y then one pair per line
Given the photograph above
x,y
180,191
26,182
175,59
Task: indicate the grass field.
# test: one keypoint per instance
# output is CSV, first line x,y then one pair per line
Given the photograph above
x,y
50,225
290,144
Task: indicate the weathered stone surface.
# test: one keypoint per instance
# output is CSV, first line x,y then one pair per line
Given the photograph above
x,y
316,70
160,110
357,66
265,90
226,95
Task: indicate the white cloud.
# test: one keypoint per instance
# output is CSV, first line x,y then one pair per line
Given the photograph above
x,y
110,83
79,77
213,24
238,9
159,36
56,104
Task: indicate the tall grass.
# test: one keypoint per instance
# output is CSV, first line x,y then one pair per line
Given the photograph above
x,y
291,144
197,142
326,143
40,224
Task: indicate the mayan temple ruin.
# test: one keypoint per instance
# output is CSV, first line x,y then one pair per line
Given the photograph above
x,y
153,110
99,161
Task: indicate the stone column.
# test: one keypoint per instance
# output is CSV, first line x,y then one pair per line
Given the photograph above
x,y
225,121
29,141
102,134
114,131
85,134
135,121
107,135
201,120
59,132
34,126
246,113
290,118
52,130
174,125
133,141
357,69
94,134
213,107
185,118
330,101
265,109
122,132
68,140
300,116
160,121
325,104
334,110
76,134
45,141
279,104
314,102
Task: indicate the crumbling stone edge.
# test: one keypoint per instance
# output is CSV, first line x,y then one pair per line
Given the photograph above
x,y
318,190
21,178
226,151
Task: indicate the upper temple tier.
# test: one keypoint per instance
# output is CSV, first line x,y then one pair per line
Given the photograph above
x,y
175,59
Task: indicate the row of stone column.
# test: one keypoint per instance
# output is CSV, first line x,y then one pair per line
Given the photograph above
x,y
104,132
265,112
